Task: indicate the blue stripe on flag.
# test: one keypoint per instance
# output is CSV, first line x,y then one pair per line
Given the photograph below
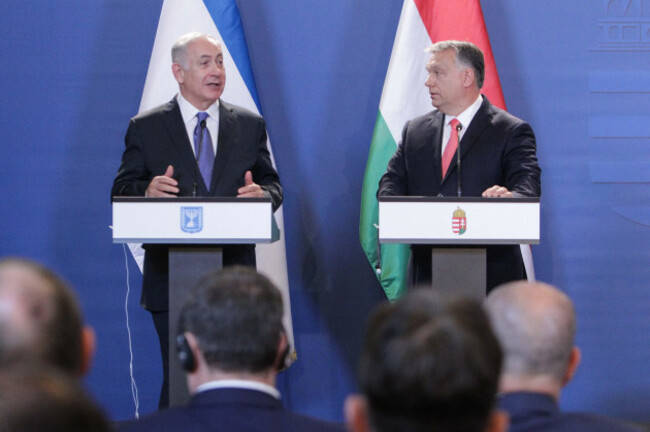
x,y
225,15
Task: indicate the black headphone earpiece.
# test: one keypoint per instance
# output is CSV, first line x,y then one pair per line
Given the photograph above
x,y
184,354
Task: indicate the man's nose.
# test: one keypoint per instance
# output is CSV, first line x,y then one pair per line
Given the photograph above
x,y
216,69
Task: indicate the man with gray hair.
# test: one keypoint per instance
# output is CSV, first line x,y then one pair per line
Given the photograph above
x,y
194,145
536,326
498,152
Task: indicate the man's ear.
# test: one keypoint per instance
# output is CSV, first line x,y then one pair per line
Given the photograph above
x,y
574,362
356,414
283,352
178,73
193,342
469,77
88,345
498,421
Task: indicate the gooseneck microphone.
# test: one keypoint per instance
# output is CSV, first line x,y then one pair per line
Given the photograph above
x,y
198,153
459,127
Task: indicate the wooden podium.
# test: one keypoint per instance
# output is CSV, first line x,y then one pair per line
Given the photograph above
x,y
468,223
189,226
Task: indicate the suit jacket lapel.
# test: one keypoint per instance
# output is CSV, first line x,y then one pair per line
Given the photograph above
x,y
226,141
481,120
437,126
181,142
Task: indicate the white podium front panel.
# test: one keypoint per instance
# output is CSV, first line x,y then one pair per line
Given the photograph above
x,y
459,220
192,220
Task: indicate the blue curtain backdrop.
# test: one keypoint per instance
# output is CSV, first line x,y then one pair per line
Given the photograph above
x,y
72,74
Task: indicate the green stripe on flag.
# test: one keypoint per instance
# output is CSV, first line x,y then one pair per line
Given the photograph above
x,y
392,259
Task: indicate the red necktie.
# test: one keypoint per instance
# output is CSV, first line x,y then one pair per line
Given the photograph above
x,y
450,150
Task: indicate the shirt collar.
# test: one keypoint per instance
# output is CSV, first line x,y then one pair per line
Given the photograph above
x,y
189,111
239,384
465,118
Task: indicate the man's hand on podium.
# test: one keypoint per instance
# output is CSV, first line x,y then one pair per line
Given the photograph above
x,y
250,189
497,191
163,185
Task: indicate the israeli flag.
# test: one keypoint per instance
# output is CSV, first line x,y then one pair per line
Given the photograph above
x,y
219,18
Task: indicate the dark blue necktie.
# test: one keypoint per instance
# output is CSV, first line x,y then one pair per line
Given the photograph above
x,y
203,148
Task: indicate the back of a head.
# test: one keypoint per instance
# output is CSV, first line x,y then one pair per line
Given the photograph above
x,y
236,316
535,324
40,318
36,398
430,364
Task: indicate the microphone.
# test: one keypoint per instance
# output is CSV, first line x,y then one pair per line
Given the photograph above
x,y
459,127
198,153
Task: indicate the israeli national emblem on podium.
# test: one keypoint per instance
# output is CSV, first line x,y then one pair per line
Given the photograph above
x,y
191,219
459,222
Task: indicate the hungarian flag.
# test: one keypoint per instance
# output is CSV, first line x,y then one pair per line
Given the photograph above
x,y
422,22
219,18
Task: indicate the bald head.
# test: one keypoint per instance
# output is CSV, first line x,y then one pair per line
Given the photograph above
x,y
39,317
535,324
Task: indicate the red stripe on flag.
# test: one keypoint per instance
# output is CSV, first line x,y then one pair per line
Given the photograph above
x,y
463,20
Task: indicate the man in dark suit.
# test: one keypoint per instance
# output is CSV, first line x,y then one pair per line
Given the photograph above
x,y
231,342
498,152
429,363
536,325
194,145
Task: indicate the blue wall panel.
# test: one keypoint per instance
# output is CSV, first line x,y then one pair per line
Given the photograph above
x,y
72,75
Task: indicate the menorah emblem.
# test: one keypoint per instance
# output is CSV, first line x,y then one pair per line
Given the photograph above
x,y
191,219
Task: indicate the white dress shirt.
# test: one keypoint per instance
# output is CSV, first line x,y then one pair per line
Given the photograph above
x,y
189,111
465,118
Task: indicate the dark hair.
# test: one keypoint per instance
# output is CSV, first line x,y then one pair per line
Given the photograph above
x,y
430,363
467,54
54,317
37,398
236,316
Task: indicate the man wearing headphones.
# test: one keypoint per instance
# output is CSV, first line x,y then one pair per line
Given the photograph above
x,y
231,343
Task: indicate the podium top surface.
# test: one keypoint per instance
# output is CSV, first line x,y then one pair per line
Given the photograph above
x,y
425,199
131,199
